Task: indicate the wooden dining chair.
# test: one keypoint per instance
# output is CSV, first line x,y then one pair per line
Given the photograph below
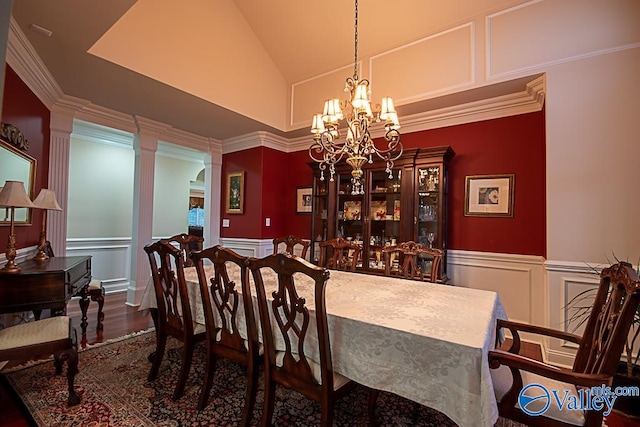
x,y
290,242
286,324
227,313
411,258
53,335
187,243
340,254
174,316
595,364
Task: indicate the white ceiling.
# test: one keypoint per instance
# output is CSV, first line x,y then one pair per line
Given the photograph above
x,y
194,64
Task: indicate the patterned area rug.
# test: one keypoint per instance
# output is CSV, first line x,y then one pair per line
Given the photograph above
x,y
115,392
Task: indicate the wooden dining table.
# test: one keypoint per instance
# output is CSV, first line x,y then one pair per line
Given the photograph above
x,y
422,341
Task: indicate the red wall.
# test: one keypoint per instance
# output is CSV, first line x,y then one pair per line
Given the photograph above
x,y
271,177
24,110
508,145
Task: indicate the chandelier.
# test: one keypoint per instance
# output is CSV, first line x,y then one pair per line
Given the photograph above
x,y
357,146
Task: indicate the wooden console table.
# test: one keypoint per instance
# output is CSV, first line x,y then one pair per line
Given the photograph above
x,y
46,284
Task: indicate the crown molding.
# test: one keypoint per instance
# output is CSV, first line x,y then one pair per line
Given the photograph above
x,y
256,139
24,60
528,101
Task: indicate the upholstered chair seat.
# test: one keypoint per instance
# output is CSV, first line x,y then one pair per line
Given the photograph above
x,y
51,336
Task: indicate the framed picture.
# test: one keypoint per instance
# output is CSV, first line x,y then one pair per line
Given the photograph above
x,y
304,202
235,193
489,195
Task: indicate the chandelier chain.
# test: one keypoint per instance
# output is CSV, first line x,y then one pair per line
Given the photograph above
x,y
355,48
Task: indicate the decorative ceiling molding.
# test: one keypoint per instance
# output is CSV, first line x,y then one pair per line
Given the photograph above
x,y
256,139
25,62
527,101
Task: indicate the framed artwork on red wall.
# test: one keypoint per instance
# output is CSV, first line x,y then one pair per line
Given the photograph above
x,y
235,193
303,200
489,195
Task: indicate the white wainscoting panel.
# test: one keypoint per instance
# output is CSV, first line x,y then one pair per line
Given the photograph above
x,y
518,279
566,279
258,248
110,262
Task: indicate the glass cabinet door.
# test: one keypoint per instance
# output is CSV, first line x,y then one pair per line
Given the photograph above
x,y
350,216
429,206
384,216
319,225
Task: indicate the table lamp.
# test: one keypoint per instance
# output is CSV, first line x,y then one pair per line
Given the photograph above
x,y
46,201
13,196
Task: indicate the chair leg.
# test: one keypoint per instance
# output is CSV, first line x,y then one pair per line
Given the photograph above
x,y
373,399
250,396
98,297
161,342
70,356
208,380
269,402
326,414
187,356
84,306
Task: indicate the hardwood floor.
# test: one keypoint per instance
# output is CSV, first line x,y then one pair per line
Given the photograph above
x,y
120,319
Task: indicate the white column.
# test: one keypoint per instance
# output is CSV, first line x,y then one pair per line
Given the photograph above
x,y
61,126
213,191
145,144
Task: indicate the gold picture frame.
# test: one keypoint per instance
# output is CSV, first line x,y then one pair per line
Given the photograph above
x,y
489,195
304,200
235,193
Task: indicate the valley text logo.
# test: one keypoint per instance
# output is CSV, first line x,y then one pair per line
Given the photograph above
x,y
535,399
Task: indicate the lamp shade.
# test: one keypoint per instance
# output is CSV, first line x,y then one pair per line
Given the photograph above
x,y
14,195
47,200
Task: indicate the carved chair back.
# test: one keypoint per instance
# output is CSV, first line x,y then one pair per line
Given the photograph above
x,y
167,272
187,243
290,242
410,254
286,329
611,317
228,313
340,254
173,317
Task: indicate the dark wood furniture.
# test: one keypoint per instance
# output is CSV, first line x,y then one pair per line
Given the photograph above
x,y
187,243
44,285
290,242
596,362
415,261
408,204
93,290
173,315
340,254
226,311
291,324
53,335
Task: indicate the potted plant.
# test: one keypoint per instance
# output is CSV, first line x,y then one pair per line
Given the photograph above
x,y
629,370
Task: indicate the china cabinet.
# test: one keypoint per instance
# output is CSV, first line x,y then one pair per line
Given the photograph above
x,y
408,204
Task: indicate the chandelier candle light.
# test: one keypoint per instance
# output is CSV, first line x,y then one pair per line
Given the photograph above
x,y
358,147
13,196
46,201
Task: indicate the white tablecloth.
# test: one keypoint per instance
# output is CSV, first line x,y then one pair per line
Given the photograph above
x,y
426,342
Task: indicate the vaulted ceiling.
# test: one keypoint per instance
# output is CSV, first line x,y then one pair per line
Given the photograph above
x,y
224,68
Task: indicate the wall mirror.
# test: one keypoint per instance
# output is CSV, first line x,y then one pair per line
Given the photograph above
x,y
16,165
